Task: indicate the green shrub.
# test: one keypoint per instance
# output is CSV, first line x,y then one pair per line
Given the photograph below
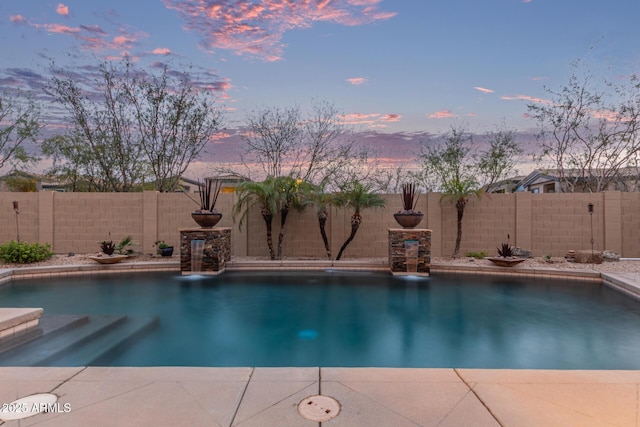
x,y
477,255
24,253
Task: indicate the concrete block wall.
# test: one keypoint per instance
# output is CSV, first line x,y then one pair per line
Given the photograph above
x,y
561,222
630,218
543,223
82,220
28,218
485,224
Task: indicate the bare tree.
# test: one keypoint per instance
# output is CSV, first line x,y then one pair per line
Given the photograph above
x,y
273,139
19,123
311,146
589,132
326,147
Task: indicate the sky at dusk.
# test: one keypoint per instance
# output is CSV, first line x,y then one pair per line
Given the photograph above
x,y
397,69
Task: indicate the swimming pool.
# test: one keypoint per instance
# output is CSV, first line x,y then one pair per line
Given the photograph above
x,y
349,319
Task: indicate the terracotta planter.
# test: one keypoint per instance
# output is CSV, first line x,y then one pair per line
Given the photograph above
x,y
408,220
206,219
108,259
505,262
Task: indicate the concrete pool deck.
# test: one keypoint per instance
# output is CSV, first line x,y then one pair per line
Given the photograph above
x,y
180,396
186,396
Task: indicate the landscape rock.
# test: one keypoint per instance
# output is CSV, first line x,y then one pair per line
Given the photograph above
x,y
610,256
521,253
588,257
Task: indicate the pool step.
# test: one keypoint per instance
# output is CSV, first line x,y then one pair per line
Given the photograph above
x,y
126,332
76,343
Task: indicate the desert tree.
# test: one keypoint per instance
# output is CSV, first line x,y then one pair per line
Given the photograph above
x,y
101,134
19,124
174,120
73,164
461,169
129,127
588,131
449,161
500,157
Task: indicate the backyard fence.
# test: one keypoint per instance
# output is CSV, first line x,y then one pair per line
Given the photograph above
x,y
546,224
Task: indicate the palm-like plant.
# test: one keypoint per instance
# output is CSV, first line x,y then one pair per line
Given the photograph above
x,y
358,197
273,195
262,194
459,191
287,195
316,195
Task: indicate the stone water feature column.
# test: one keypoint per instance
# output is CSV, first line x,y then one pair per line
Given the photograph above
x,y
216,250
403,257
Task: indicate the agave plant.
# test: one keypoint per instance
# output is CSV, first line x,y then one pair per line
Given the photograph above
x,y
107,247
507,249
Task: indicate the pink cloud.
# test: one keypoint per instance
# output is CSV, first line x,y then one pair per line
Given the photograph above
x,y
94,38
17,19
62,9
391,118
161,51
443,114
371,120
357,80
126,40
255,27
58,29
526,98
359,118
483,90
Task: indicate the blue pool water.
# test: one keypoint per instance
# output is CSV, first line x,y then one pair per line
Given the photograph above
x,y
337,319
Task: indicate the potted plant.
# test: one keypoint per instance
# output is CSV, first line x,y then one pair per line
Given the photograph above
x,y
207,216
409,217
164,249
506,258
107,249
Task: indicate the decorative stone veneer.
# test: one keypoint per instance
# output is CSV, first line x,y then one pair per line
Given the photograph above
x,y
216,249
398,260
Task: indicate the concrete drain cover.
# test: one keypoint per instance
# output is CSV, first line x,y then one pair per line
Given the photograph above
x,y
319,408
27,406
